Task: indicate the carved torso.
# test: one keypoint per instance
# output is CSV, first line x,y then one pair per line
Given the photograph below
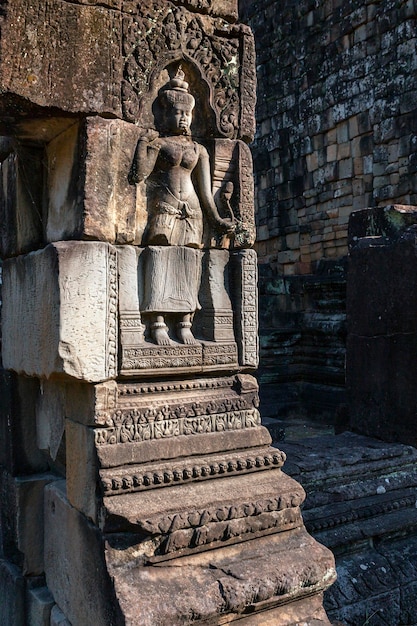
x,y
175,213
175,151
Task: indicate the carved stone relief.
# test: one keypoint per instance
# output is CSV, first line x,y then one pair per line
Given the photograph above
x,y
182,314
221,52
176,409
139,478
196,516
130,267
245,282
225,328
147,426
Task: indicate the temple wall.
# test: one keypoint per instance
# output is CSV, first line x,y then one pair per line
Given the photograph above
x,y
336,132
129,328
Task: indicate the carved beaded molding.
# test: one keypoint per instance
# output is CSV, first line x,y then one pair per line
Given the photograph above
x,y
360,513
140,479
127,389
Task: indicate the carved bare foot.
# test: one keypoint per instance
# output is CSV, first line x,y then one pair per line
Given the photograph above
x,y
184,333
159,333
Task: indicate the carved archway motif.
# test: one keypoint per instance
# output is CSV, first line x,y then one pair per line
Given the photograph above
x,y
209,45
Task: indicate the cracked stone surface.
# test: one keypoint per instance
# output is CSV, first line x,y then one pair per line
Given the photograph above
x,y
236,580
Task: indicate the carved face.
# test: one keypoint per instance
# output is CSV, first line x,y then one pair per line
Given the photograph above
x,y
179,118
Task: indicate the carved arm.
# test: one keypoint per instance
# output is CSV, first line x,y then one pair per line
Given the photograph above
x,y
203,180
145,158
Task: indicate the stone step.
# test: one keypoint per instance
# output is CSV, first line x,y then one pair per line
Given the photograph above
x,y
361,503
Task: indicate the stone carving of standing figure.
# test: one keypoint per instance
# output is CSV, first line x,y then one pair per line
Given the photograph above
x,y
174,232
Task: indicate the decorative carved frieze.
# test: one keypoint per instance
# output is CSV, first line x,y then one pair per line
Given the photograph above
x,y
218,533
197,515
219,354
160,524
150,358
246,298
153,357
126,390
111,322
148,425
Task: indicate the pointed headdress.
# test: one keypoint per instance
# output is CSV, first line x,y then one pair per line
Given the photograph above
x,y
176,91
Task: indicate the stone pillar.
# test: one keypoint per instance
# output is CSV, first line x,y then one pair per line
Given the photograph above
x,y
134,444
382,329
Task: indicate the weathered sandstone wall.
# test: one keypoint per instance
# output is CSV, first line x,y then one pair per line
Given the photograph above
x,y
337,132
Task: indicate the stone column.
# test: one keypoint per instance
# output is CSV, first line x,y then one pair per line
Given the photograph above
x,y
133,440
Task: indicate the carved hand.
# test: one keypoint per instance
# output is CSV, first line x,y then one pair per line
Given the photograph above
x,y
149,135
226,225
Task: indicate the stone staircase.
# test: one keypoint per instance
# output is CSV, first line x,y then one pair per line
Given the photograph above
x,y
361,503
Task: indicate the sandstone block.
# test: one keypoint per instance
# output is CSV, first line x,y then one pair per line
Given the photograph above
x,y
49,419
85,403
67,320
12,600
251,574
74,563
39,603
380,386
382,306
37,41
82,469
21,204
89,192
386,221
22,520
19,453
58,618
87,181
112,77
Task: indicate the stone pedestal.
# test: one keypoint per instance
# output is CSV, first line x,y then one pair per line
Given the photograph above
x,y
382,330
130,314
